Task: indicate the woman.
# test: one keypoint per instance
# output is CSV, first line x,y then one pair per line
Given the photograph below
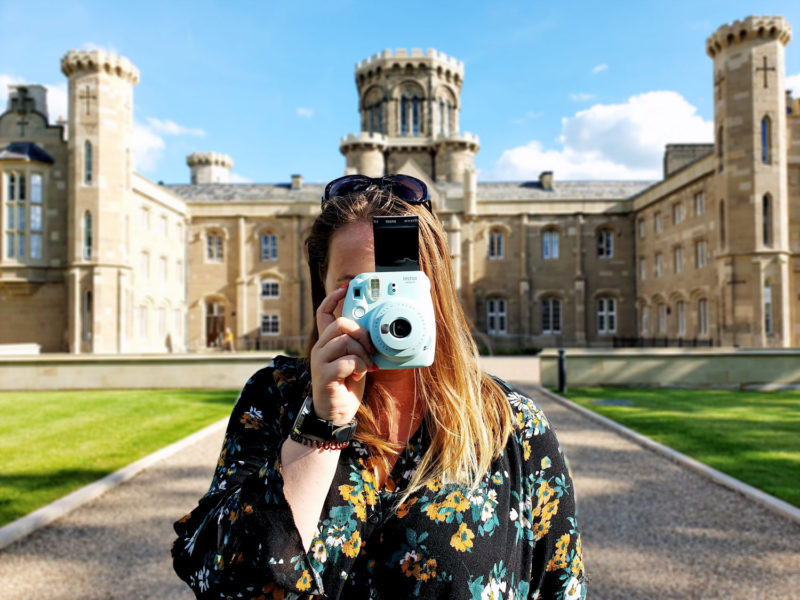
x,y
453,485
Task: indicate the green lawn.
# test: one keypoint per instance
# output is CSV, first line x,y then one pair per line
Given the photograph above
x,y
52,443
752,436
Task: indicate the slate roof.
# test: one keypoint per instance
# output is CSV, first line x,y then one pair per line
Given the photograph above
x,y
487,191
25,151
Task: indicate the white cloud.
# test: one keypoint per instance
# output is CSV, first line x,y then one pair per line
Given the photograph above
x,y
793,83
600,68
581,97
610,141
167,127
306,113
236,178
148,147
528,116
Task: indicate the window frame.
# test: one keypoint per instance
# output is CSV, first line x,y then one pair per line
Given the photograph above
x,y
606,315
271,282
497,314
269,246
605,243
552,312
272,321
497,245
550,244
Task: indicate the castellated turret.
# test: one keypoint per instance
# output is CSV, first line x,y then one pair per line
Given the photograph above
x,y
210,167
751,160
409,105
100,196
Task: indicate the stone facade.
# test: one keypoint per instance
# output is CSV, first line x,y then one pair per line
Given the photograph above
x,y
708,255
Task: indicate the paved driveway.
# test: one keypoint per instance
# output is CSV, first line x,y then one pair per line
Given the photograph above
x,y
651,528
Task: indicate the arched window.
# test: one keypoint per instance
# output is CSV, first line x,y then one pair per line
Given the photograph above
x,y
87,315
496,245
606,315
403,116
441,116
87,163
702,314
768,308
269,246
214,248
415,116
550,243
551,315
87,235
720,143
662,318
766,215
680,309
766,140
645,319
496,316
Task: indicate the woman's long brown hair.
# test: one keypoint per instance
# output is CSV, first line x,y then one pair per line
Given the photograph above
x,y
467,414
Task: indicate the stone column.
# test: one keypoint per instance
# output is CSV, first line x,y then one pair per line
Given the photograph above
x,y
580,286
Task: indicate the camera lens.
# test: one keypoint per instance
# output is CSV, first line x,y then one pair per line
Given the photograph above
x,y
400,328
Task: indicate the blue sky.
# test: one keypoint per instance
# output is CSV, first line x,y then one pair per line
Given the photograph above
x,y
587,89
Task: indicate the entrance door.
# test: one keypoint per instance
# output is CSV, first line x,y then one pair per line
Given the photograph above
x,y
215,324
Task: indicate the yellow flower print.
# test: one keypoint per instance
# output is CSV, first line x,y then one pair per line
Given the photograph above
x,y
271,590
434,485
549,510
435,513
368,476
520,420
304,582
428,570
456,501
526,449
352,546
402,510
562,544
462,539
541,528
409,564
544,493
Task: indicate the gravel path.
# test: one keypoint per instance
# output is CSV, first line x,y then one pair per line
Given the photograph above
x,y
651,529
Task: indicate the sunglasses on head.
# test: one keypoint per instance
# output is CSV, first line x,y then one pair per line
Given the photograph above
x,y
408,189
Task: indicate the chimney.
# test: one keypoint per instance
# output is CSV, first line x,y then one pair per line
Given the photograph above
x,y
546,180
297,182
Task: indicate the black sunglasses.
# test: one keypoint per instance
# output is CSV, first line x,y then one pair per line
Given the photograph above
x,y
408,189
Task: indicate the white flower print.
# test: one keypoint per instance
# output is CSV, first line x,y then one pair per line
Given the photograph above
x,y
320,552
493,590
202,579
487,511
574,589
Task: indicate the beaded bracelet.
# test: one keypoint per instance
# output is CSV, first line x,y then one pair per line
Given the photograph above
x,y
319,444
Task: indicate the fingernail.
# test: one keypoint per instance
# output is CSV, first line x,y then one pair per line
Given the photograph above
x,y
343,287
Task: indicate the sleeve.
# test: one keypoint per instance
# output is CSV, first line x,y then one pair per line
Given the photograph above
x,y
546,512
241,540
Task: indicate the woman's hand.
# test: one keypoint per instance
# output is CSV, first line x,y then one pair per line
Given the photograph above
x,y
340,361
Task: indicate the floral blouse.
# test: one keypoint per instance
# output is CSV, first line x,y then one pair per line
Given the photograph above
x,y
514,536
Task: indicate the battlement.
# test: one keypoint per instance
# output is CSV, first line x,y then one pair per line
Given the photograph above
x,y
95,61
209,158
431,56
751,28
363,138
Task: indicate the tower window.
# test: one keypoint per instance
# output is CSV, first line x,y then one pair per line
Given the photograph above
x,y
768,308
766,140
404,116
496,245
87,163
415,116
766,213
87,315
722,222
87,235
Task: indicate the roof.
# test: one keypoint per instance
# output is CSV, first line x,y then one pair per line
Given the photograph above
x,y
487,191
25,151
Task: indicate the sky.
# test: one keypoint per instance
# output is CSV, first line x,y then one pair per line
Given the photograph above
x,y
589,90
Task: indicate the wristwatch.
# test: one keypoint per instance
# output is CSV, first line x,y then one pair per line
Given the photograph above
x,y
309,425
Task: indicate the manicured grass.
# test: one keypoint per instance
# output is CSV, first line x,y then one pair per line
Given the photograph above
x,y
52,443
752,436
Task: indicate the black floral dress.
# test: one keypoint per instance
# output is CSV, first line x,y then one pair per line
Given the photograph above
x,y
514,536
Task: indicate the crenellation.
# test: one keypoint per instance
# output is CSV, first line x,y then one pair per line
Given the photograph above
x,y
95,61
751,28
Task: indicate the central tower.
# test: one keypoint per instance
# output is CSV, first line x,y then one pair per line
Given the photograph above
x,y
409,106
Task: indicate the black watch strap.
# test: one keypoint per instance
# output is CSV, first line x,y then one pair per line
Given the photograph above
x,y
308,424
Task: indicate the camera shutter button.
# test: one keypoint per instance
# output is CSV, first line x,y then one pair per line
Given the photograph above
x,y
359,312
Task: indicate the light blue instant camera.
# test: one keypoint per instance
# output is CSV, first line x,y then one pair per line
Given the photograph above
x,y
397,311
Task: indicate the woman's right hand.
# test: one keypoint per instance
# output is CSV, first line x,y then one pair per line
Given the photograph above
x,y
340,361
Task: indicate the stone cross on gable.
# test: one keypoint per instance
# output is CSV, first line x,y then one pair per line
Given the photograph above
x,y
88,97
765,68
22,104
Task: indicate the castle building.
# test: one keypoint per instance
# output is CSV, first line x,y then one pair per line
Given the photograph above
x,y
97,259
